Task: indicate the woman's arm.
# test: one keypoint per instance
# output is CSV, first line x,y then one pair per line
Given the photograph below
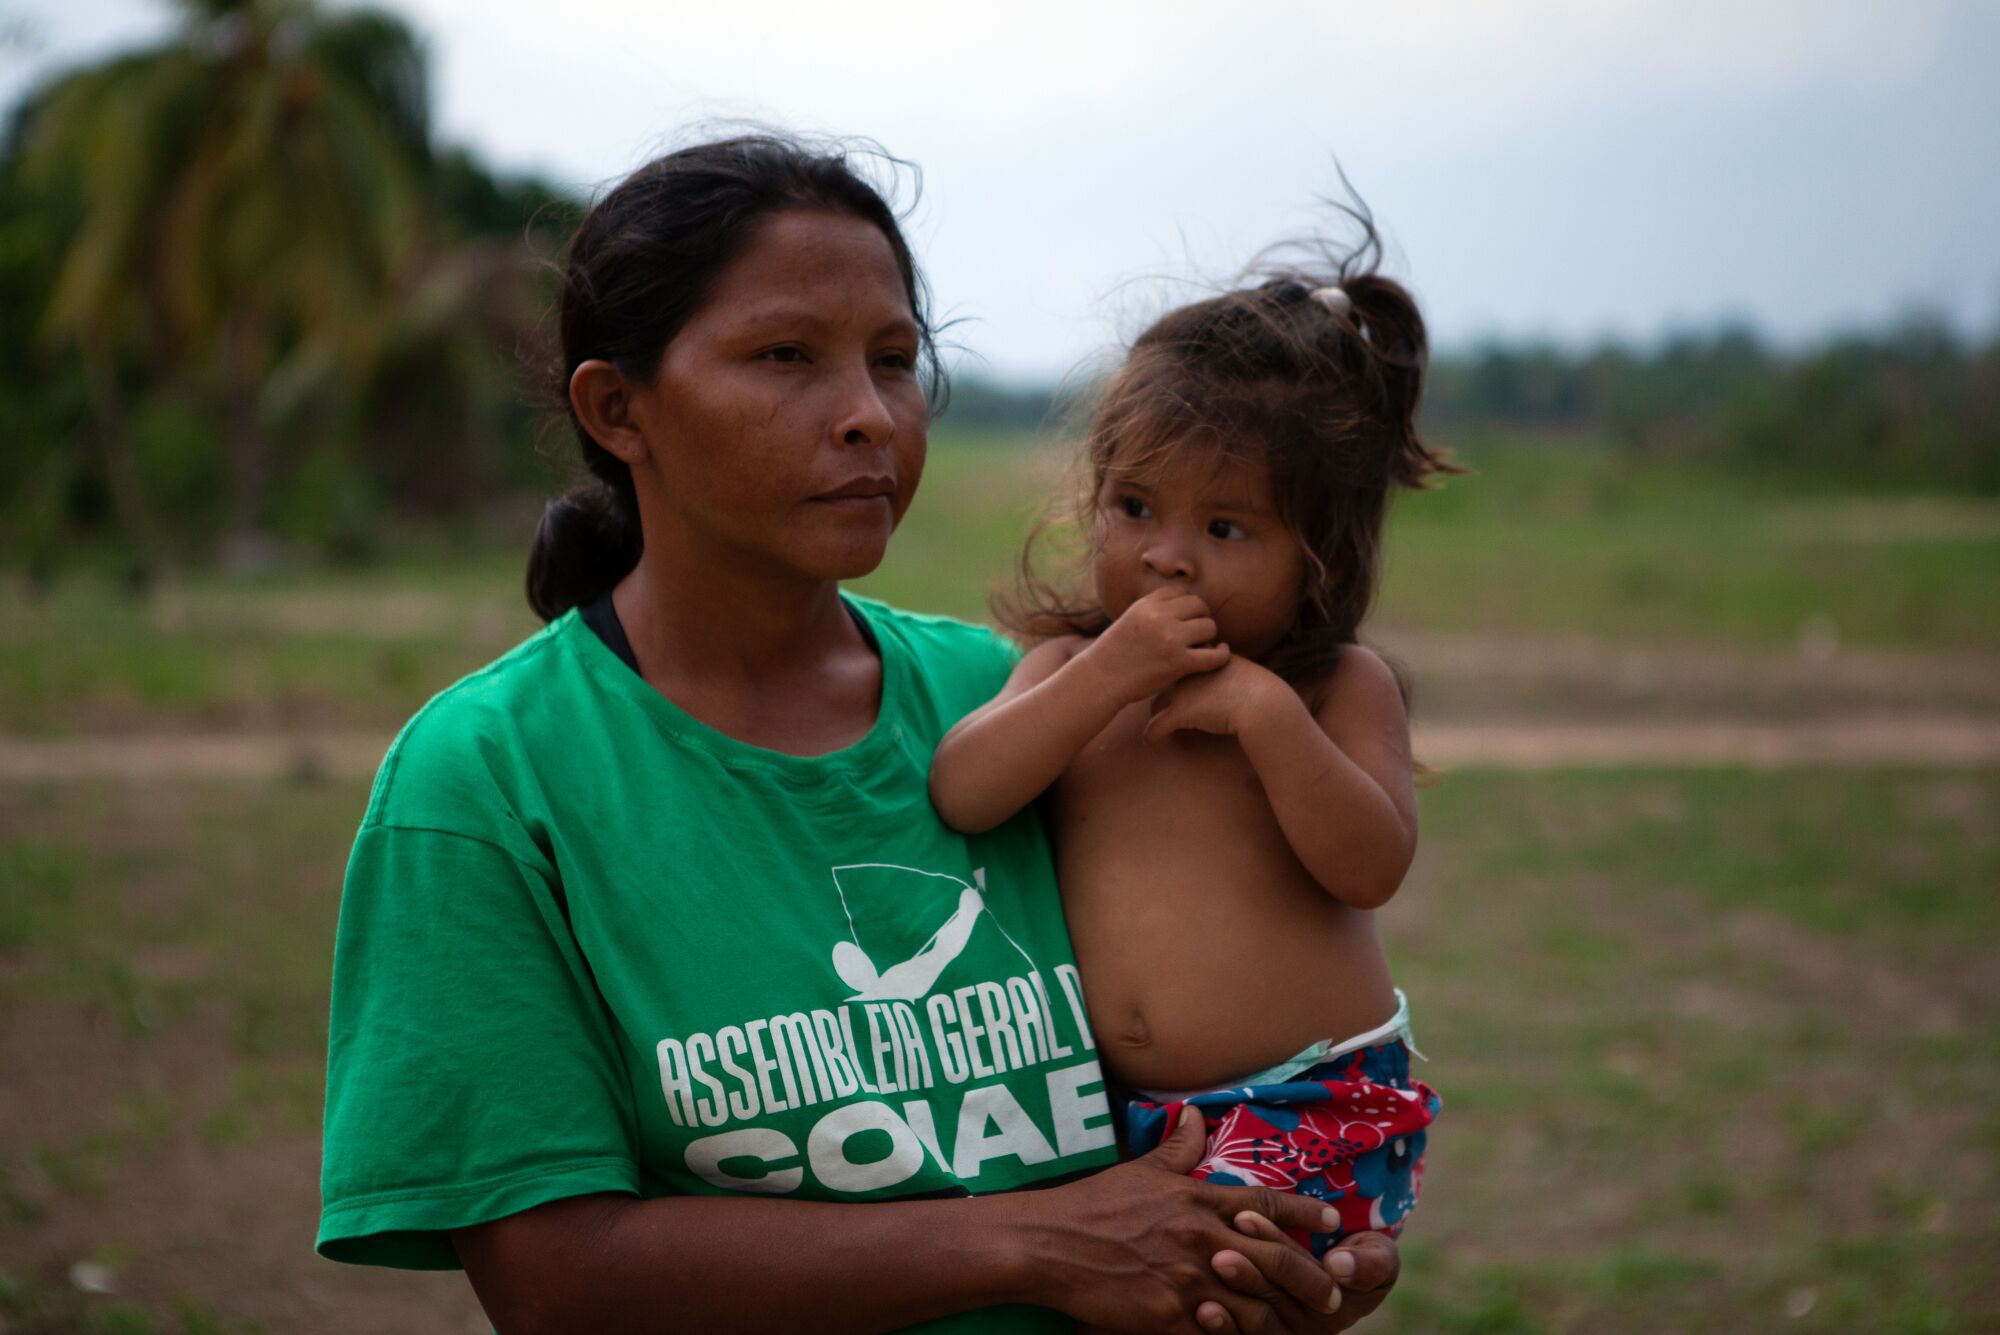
x,y
1132,1248
1006,753
1338,780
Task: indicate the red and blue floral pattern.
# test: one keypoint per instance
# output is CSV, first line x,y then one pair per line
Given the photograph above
x,y
1350,1131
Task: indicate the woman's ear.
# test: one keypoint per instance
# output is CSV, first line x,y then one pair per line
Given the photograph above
x,y
601,397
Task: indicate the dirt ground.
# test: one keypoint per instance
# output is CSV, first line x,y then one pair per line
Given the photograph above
x,y
1519,701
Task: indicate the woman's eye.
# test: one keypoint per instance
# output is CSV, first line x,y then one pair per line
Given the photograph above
x,y
1226,529
1133,507
786,354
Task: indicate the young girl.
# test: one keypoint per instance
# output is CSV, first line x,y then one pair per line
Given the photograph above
x,y
1228,771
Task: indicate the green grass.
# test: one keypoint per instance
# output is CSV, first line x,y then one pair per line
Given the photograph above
x,y
208,650
1543,537
1710,1044
1570,536
1548,536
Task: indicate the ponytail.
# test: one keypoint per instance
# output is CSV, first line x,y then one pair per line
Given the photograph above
x,y
587,541
1392,330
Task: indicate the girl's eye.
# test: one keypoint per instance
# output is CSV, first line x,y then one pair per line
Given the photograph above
x,y
1133,507
896,361
1226,529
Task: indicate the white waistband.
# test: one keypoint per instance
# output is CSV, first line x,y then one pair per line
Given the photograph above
x,y
1396,1026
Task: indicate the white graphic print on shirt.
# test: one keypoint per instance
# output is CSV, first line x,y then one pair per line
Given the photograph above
x,y
957,1012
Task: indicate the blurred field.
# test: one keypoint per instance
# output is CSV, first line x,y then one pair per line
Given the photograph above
x,y
1717,1043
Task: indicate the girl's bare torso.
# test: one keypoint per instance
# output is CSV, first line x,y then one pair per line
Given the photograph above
x,y
1208,952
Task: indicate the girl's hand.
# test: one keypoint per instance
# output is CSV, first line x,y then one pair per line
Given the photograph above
x,y
1160,639
1134,1248
1222,702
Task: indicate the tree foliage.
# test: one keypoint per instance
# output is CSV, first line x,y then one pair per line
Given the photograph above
x,y
255,259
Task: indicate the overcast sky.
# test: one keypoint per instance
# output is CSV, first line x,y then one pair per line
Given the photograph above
x,y
1561,168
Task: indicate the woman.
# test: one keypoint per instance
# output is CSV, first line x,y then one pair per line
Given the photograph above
x,y
653,957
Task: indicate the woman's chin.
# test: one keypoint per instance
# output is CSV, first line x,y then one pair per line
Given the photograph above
x,y
850,559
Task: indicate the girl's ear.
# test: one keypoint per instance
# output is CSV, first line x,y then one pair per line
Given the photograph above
x,y
601,397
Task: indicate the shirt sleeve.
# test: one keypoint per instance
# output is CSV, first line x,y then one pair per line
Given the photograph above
x,y
472,1067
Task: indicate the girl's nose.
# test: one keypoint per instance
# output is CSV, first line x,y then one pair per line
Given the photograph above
x,y
1169,557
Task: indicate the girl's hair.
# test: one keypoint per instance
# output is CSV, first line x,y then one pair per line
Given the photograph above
x,y
1313,369
643,261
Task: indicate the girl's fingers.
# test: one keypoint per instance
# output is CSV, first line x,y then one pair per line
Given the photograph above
x,y
1198,630
1210,657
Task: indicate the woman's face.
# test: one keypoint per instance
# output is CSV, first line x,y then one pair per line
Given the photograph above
x,y
786,425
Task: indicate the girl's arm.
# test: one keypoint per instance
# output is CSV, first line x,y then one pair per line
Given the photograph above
x,y
1338,780
1132,1248
1006,753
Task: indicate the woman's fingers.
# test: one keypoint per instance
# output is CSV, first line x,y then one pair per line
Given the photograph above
x,y
1180,1150
1304,1213
1365,1263
1281,1266
1212,1315
1230,1315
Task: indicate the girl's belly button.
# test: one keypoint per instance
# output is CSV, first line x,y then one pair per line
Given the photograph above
x,y
1134,1033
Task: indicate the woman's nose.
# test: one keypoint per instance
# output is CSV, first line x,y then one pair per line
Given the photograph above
x,y
864,418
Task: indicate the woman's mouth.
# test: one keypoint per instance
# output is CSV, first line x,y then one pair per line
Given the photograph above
x,y
860,493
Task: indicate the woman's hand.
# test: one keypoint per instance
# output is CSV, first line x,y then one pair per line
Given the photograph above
x,y
1364,1266
1134,1248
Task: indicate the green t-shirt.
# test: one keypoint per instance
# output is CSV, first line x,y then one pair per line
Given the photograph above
x,y
588,944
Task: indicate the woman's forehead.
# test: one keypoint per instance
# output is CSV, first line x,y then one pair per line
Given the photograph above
x,y
814,265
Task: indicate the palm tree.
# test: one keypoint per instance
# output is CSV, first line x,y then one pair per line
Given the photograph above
x,y
245,195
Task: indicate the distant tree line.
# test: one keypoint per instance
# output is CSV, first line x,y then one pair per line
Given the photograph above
x,y
1915,403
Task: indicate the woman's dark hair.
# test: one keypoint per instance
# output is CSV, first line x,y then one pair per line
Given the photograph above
x,y
643,261
1312,368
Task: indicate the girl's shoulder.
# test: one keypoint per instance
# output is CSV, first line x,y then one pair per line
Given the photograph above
x,y
1362,687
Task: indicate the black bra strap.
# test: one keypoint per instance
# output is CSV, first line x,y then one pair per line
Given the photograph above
x,y
602,617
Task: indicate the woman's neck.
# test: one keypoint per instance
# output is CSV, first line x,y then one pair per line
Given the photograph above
x,y
771,660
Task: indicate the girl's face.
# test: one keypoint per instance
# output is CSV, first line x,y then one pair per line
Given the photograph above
x,y
1209,524
786,424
